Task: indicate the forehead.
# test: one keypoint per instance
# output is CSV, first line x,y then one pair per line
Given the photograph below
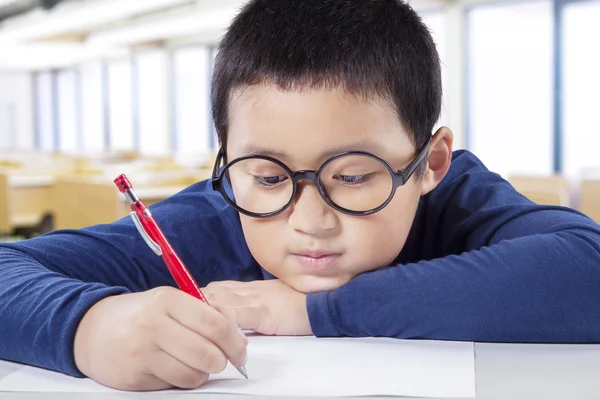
x,y
303,127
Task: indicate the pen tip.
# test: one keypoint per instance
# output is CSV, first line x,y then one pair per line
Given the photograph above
x,y
243,371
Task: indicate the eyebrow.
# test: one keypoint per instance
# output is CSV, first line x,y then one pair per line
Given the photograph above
x,y
365,145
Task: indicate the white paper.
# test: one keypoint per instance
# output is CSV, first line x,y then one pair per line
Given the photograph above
x,y
307,366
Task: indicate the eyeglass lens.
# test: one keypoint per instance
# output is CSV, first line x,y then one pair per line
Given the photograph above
x,y
354,182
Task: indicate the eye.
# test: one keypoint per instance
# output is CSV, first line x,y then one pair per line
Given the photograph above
x,y
269,181
354,179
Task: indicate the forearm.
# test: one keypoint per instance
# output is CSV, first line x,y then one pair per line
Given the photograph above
x,y
40,311
540,288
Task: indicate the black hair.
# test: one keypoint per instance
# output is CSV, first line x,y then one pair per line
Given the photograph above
x,y
366,47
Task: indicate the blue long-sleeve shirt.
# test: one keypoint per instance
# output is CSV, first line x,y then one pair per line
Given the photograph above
x,y
481,263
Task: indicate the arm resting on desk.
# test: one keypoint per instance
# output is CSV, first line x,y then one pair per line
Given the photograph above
x,y
496,268
535,289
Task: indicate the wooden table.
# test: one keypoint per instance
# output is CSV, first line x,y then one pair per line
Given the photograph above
x,y
80,202
589,198
25,198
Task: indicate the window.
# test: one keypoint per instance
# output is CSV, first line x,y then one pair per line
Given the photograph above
x,y
17,122
45,116
120,108
153,102
67,111
193,125
7,126
581,85
92,107
510,87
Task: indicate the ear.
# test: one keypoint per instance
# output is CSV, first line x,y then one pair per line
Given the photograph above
x,y
438,159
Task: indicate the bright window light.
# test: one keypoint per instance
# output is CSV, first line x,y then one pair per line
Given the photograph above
x,y
510,87
92,107
67,111
153,102
45,116
120,105
191,71
581,79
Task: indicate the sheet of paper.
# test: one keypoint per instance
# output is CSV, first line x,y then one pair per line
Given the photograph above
x,y
308,366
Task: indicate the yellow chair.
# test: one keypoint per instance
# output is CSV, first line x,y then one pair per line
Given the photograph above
x,y
81,201
24,200
545,190
589,198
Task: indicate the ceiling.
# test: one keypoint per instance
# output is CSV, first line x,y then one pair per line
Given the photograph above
x,y
40,34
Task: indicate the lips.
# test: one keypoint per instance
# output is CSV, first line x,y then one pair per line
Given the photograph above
x,y
316,260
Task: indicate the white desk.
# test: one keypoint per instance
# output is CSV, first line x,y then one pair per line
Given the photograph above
x,y
502,372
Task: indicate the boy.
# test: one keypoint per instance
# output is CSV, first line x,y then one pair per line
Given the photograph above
x,y
349,219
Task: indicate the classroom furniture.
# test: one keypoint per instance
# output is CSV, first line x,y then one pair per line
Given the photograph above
x,y
81,201
24,199
545,190
76,190
26,182
589,198
502,371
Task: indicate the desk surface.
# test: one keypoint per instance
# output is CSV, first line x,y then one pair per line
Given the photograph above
x,y
503,371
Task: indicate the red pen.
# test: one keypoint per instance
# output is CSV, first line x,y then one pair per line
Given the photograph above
x,y
156,240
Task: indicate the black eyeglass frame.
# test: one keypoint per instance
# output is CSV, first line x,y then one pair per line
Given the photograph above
x,y
399,178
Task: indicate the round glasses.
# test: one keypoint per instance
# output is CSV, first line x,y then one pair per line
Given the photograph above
x,y
355,183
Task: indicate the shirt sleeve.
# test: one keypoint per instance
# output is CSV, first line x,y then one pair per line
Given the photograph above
x,y
497,268
48,283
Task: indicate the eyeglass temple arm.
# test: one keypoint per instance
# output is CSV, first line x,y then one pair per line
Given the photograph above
x,y
220,158
406,172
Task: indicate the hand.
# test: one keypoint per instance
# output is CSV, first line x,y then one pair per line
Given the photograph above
x,y
269,307
154,340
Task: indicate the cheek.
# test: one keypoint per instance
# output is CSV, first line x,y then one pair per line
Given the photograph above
x,y
370,242
265,239
378,239
376,244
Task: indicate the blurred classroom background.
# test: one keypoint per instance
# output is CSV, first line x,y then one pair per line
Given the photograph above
x,y
93,88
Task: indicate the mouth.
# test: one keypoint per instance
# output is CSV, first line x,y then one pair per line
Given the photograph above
x,y
316,261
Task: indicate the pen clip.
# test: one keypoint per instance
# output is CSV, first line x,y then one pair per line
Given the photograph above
x,y
151,243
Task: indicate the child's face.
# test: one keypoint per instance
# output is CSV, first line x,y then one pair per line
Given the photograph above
x,y
311,246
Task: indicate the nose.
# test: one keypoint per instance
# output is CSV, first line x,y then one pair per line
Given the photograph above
x,y
309,212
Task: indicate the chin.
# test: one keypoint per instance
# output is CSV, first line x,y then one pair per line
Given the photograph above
x,y
310,284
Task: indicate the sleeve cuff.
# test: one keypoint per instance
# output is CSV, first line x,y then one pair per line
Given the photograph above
x,y
321,316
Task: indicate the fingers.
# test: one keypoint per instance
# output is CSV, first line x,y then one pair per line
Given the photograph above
x,y
230,284
209,323
224,296
254,318
227,311
136,381
241,288
175,373
241,296
231,315
190,348
232,305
